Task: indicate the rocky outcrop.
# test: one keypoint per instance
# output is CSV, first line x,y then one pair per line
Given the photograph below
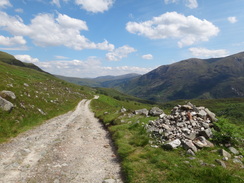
x,y
187,125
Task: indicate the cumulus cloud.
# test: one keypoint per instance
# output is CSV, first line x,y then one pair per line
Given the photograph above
x,y
188,29
5,3
92,67
26,58
232,19
10,41
119,53
147,57
95,6
47,30
206,53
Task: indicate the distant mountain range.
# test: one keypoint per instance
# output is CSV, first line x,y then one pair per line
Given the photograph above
x,y
187,79
103,81
191,78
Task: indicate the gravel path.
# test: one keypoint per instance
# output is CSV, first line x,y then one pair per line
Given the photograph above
x,y
71,148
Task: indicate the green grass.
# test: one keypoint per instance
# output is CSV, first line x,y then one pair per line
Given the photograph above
x,y
45,92
142,163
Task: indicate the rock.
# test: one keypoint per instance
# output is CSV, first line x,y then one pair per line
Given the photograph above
x,y
123,110
6,94
206,133
173,144
188,144
192,136
224,153
202,142
142,111
155,111
5,105
25,84
202,113
210,114
233,150
190,152
220,162
237,161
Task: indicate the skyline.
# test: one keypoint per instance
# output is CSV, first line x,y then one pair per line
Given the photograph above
x,y
90,38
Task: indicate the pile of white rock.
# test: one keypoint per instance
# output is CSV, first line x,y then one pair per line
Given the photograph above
x,y
187,125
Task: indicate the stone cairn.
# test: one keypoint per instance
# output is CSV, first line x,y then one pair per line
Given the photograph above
x,y
187,125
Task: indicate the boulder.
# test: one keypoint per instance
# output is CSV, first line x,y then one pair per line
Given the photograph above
x,y
224,153
155,111
6,94
188,144
5,105
233,150
220,162
211,115
142,112
173,144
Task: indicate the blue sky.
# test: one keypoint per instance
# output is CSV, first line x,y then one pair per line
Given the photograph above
x,y
90,38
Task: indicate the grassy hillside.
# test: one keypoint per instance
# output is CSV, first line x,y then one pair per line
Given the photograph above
x,y
39,96
191,78
143,163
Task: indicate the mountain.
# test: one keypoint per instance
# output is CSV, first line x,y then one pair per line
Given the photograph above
x,y
102,81
10,59
191,78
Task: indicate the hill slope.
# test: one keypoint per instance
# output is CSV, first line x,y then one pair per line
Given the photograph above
x,y
39,96
191,78
10,59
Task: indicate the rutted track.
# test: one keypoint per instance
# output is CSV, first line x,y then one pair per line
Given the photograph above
x,y
72,147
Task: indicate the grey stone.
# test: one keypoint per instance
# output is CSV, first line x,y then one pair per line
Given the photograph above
x,y
192,136
173,144
220,162
210,114
202,113
123,110
237,161
206,133
224,153
233,150
8,94
142,111
190,152
202,142
188,144
155,111
5,105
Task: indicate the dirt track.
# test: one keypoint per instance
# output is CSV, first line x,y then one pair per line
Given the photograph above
x,y
72,147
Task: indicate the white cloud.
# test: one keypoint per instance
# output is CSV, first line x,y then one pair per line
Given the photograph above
x,y
5,3
120,53
170,1
188,29
95,6
206,53
147,57
26,58
46,30
232,19
56,2
19,10
61,57
191,4
10,41
188,3
92,67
